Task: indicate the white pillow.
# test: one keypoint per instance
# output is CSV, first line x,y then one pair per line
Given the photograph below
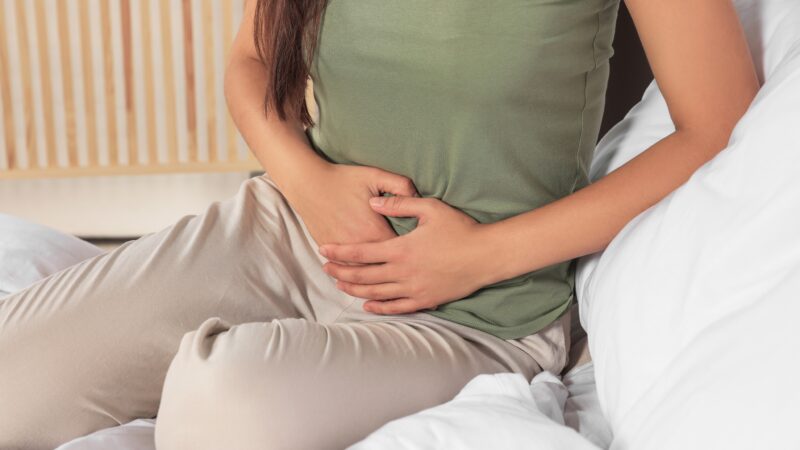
x,y
30,252
691,309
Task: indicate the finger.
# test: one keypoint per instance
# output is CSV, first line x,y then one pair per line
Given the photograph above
x,y
361,274
395,306
368,252
402,206
382,291
395,184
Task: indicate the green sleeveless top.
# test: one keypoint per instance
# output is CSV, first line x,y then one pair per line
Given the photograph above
x,y
493,107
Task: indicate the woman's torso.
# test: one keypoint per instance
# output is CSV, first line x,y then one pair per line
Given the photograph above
x,y
492,107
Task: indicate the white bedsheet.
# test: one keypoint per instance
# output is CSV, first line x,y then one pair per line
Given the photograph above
x,y
136,435
504,411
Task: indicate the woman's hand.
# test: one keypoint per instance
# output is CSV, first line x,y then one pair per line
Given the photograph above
x,y
443,259
333,201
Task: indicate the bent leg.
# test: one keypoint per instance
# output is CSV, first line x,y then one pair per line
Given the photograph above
x,y
295,384
88,347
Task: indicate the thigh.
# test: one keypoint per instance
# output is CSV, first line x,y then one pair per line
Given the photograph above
x,y
292,383
88,347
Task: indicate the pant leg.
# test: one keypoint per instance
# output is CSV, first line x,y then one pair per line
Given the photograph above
x,y
296,384
88,347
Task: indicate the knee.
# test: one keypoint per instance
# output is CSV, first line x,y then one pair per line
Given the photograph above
x,y
231,387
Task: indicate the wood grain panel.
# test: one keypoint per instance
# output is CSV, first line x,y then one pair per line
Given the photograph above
x,y
91,87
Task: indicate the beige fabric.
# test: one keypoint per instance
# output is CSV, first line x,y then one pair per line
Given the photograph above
x,y
279,357
578,342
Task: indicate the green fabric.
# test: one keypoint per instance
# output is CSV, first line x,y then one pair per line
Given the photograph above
x,y
493,107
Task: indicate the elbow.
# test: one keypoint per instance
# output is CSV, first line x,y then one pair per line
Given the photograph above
x,y
714,130
712,110
712,136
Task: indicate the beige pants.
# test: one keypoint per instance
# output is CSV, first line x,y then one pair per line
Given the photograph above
x,y
259,348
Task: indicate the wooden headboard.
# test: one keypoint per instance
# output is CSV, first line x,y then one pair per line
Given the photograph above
x,y
116,87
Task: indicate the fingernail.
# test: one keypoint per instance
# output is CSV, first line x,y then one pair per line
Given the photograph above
x,y
323,251
377,201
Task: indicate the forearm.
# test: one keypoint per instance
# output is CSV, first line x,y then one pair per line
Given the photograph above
x,y
281,147
586,221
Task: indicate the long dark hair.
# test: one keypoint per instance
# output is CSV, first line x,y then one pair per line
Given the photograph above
x,y
285,34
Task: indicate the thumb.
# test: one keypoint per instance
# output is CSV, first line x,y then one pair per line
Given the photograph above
x,y
396,184
398,206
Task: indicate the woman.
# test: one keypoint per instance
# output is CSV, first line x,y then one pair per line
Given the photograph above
x,y
295,315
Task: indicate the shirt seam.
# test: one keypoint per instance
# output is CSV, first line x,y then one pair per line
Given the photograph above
x,y
585,103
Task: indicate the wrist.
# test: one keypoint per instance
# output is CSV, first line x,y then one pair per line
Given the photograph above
x,y
492,259
302,175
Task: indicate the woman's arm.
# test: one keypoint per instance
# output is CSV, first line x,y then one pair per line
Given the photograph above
x,y
280,146
700,58
342,215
